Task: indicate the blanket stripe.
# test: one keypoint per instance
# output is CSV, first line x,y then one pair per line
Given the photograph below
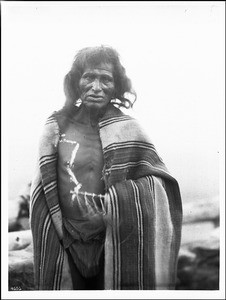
x,y
59,267
46,227
140,235
116,241
150,237
114,120
47,159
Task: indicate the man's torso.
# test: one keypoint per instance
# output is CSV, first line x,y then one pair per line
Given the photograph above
x,y
87,165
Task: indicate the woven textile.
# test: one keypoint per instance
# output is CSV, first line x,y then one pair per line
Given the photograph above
x,y
143,206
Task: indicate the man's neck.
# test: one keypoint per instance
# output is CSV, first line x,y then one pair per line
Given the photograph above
x,y
88,116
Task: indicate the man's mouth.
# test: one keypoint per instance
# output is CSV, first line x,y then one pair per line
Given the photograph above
x,y
96,96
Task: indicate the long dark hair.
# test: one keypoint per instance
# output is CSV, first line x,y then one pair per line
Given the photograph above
x,y
93,56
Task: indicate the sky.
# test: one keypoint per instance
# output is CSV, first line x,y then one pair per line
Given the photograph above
x,y
173,52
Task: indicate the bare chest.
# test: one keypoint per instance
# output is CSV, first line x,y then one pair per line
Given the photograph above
x,y
89,149
81,147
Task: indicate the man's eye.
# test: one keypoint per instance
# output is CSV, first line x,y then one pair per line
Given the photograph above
x,y
88,77
106,79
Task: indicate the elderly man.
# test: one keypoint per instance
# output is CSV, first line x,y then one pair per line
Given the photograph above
x,y
105,211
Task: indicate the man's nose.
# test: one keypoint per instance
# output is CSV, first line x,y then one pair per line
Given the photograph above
x,y
96,85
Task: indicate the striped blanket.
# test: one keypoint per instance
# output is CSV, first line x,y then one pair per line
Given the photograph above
x,y
143,207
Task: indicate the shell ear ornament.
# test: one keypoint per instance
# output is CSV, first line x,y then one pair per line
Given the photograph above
x,y
77,103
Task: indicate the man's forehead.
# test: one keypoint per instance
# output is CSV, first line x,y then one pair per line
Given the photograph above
x,y
107,67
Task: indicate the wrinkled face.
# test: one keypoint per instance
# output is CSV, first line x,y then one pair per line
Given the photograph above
x,y
97,86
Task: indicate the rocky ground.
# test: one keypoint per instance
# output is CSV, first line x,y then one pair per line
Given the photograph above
x,y
198,264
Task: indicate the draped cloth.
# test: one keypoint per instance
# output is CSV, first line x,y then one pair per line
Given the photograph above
x,y
143,204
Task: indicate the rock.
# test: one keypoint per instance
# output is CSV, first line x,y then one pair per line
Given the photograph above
x,y
21,273
201,210
19,239
198,264
14,210
19,210
23,223
196,231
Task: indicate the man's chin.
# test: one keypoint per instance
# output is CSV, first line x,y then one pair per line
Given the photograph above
x,y
95,105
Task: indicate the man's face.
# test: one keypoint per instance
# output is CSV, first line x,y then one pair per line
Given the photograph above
x,y
97,86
